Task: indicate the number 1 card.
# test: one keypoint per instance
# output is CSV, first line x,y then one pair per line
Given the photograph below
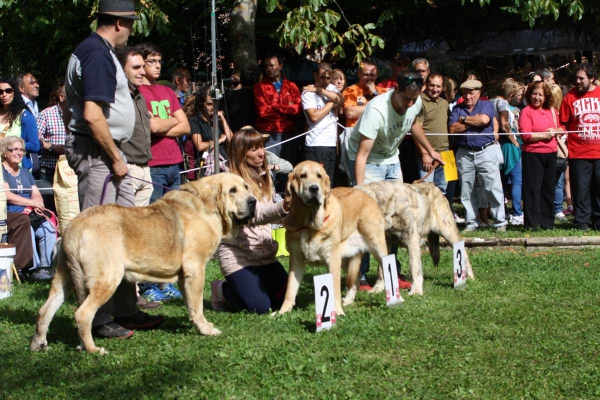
x,y
392,286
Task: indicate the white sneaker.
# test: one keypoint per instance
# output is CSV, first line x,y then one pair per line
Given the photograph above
x,y
560,216
470,228
516,220
458,219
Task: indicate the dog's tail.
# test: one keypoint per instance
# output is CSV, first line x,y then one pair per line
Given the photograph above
x,y
433,242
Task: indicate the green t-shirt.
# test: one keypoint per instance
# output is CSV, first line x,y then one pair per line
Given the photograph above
x,y
434,119
381,122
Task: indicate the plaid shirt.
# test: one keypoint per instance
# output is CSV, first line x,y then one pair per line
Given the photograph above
x,y
51,129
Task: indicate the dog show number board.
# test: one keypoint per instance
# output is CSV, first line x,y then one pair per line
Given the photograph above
x,y
460,271
324,302
392,286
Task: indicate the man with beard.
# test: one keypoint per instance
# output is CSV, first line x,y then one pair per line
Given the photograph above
x,y
580,111
277,101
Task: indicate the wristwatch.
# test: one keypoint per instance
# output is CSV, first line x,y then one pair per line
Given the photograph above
x,y
463,119
51,148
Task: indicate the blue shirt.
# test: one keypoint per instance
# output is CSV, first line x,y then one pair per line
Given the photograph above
x,y
20,185
487,132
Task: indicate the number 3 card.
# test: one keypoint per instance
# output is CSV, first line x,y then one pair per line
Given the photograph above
x,y
460,272
324,302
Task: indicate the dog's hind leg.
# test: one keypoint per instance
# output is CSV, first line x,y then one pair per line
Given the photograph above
x,y
62,287
297,267
352,279
100,291
416,267
380,248
433,243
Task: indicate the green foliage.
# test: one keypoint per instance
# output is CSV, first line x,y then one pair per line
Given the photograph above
x,y
526,328
530,10
311,29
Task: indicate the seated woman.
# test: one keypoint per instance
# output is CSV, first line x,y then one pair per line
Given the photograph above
x,y
254,280
21,192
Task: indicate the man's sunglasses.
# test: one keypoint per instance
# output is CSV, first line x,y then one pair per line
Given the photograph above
x,y
7,91
234,83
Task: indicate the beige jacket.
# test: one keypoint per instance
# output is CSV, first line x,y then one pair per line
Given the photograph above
x,y
254,244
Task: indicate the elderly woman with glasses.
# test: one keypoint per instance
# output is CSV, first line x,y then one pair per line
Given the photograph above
x,y
23,195
17,120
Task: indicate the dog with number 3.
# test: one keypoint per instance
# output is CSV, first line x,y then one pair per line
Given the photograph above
x,y
413,212
332,227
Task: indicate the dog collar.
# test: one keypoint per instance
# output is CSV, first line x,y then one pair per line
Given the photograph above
x,y
304,228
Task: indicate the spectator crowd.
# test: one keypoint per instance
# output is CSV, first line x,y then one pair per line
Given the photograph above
x,y
519,155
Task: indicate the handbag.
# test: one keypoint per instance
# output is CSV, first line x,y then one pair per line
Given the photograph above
x,y
38,218
207,163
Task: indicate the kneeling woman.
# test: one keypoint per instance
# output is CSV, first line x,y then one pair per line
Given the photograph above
x,y
254,280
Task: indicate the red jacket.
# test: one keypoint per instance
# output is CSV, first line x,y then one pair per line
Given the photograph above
x,y
276,112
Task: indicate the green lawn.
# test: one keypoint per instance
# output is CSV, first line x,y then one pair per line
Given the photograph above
x,y
527,328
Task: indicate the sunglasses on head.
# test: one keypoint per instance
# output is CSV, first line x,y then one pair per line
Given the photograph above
x,y
7,91
409,80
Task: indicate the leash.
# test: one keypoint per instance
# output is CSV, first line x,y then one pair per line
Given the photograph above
x,y
434,165
109,176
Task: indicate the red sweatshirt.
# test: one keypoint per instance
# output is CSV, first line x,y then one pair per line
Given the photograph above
x,y
276,112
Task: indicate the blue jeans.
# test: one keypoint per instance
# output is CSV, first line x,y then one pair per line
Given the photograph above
x,y
437,177
378,173
516,183
559,191
45,235
165,175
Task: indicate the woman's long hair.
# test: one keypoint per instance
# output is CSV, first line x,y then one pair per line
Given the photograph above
x,y
201,96
17,105
260,182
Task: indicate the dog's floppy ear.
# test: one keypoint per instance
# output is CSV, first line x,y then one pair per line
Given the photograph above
x,y
292,188
326,185
222,205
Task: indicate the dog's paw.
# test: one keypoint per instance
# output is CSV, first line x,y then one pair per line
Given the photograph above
x,y
339,312
416,291
38,345
102,352
377,289
210,330
347,302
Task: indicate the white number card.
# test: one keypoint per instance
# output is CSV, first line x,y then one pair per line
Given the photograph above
x,y
324,302
392,286
460,272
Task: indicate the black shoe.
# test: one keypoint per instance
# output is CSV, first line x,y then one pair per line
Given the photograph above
x,y
39,275
583,228
111,330
141,320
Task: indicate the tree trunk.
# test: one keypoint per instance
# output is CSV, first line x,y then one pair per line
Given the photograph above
x,y
241,31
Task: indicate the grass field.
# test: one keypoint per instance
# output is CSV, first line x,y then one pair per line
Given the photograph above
x,y
527,328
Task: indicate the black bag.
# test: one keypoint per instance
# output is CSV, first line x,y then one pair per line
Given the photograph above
x,y
561,165
36,219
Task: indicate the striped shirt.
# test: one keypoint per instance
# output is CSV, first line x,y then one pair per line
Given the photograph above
x,y
51,129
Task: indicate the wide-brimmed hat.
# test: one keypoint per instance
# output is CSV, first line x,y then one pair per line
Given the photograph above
x,y
118,8
471,84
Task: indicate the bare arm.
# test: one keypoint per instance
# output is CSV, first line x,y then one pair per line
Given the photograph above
x,y
159,126
94,117
478,120
36,201
419,136
364,149
182,127
315,115
354,112
226,129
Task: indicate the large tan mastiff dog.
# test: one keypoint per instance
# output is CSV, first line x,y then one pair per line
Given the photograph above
x,y
168,241
413,212
329,227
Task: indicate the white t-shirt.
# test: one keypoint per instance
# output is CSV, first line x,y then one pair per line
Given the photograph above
x,y
381,122
324,132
